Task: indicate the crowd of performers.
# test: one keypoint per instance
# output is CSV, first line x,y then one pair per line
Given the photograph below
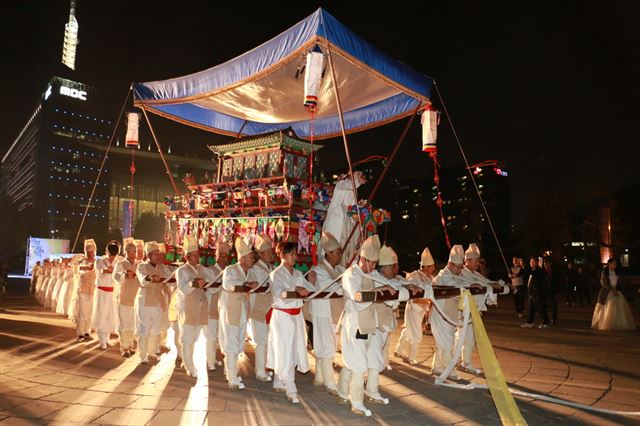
x,y
133,292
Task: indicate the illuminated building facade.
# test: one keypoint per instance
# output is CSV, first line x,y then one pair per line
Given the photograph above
x,y
50,168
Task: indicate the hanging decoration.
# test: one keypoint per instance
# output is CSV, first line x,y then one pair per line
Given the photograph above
x,y
133,122
313,78
369,217
430,120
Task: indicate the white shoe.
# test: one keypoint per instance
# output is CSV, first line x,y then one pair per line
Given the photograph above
x,y
388,367
413,361
236,386
377,399
211,368
263,377
293,398
359,409
144,360
103,346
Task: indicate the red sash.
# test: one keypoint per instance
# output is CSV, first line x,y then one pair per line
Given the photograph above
x,y
292,311
109,289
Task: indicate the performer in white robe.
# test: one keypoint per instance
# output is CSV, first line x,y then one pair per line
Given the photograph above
x,y
287,349
66,288
167,291
36,273
41,290
150,303
259,303
124,273
384,276
359,325
86,283
444,329
325,313
58,283
172,316
233,308
338,223
192,301
105,310
51,283
223,251
473,278
414,312
140,251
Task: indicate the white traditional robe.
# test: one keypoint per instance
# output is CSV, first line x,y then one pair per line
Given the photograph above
x,y
150,301
62,305
193,309
361,354
232,336
414,312
325,313
443,331
337,222
86,283
55,294
211,331
287,347
51,285
105,313
381,337
127,291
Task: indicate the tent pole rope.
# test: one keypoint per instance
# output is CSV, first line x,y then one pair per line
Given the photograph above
x,y
104,159
389,161
475,185
166,166
344,140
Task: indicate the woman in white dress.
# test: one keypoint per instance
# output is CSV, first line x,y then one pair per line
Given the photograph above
x,y
612,310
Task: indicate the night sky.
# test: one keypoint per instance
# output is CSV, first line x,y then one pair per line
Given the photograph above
x,y
550,88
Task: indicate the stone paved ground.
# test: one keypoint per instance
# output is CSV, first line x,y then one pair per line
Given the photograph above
x,y
46,378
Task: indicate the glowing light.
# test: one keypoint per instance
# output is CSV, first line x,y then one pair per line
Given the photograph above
x,y
71,40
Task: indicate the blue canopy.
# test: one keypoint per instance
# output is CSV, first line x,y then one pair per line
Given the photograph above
x,y
262,90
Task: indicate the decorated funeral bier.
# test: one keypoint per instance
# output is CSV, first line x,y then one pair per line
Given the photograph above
x,y
263,185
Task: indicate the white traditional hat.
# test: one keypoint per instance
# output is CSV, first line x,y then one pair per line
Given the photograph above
x,y
473,252
387,256
426,259
126,242
457,254
242,248
370,249
328,242
150,246
189,245
139,244
222,247
162,247
88,245
263,242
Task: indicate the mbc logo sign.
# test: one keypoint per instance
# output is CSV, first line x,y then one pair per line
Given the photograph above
x,y
73,93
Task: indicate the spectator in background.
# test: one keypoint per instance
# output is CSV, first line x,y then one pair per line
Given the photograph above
x,y
612,310
536,288
582,287
519,290
553,280
570,284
